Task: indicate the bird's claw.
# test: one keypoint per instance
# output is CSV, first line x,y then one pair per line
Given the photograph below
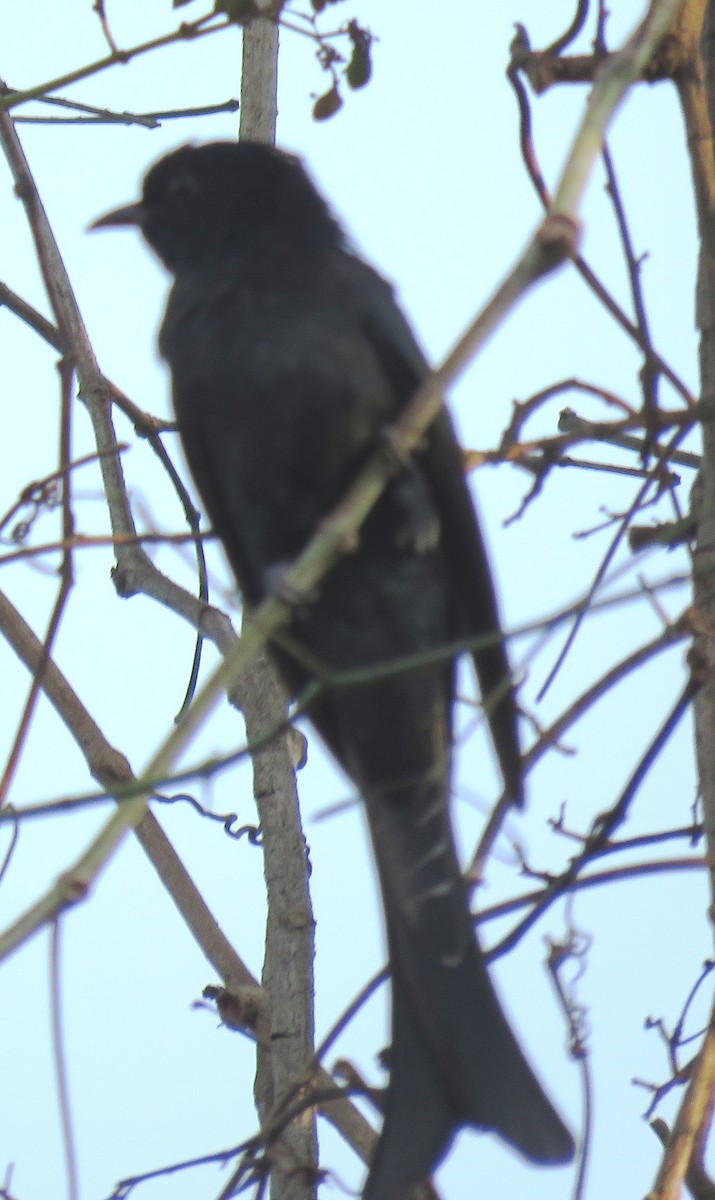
x,y
279,584
398,457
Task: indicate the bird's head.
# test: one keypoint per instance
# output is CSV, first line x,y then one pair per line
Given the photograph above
x,y
205,203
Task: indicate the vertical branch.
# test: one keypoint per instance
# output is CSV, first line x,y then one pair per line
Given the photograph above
x,y
259,81
93,387
61,1066
695,79
66,370
286,1054
695,1112
289,952
697,93
285,1057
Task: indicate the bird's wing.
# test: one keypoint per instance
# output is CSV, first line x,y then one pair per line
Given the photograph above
x,y
404,364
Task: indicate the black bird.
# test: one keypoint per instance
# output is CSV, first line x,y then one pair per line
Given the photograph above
x,y
289,358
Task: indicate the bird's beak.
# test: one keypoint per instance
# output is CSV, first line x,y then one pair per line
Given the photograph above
x,y
131,214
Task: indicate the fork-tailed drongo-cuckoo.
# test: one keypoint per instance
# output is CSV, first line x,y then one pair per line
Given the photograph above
x,y
289,358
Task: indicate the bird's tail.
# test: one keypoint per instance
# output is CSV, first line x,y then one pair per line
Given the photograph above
x,y
454,1060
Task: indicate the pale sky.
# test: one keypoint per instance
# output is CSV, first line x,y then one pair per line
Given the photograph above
x,y
423,167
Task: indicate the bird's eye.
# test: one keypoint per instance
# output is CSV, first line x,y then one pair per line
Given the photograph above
x,y
181,188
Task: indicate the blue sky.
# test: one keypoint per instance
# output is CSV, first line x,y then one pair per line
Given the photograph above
x,y
423,167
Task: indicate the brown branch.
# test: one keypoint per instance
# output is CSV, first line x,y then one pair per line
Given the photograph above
x,y
697,1181
519,48
548,67
636,504
695,1110
649,374
569,35
111,769
550,737
283,1063
606,823
105,116
66,582
135,571
187,31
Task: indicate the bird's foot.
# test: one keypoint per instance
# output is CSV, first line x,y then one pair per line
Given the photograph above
x,y
278,583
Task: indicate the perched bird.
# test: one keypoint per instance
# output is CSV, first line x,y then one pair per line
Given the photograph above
x,y
289,358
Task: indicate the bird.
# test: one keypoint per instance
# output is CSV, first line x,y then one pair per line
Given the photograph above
x,y
290,358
